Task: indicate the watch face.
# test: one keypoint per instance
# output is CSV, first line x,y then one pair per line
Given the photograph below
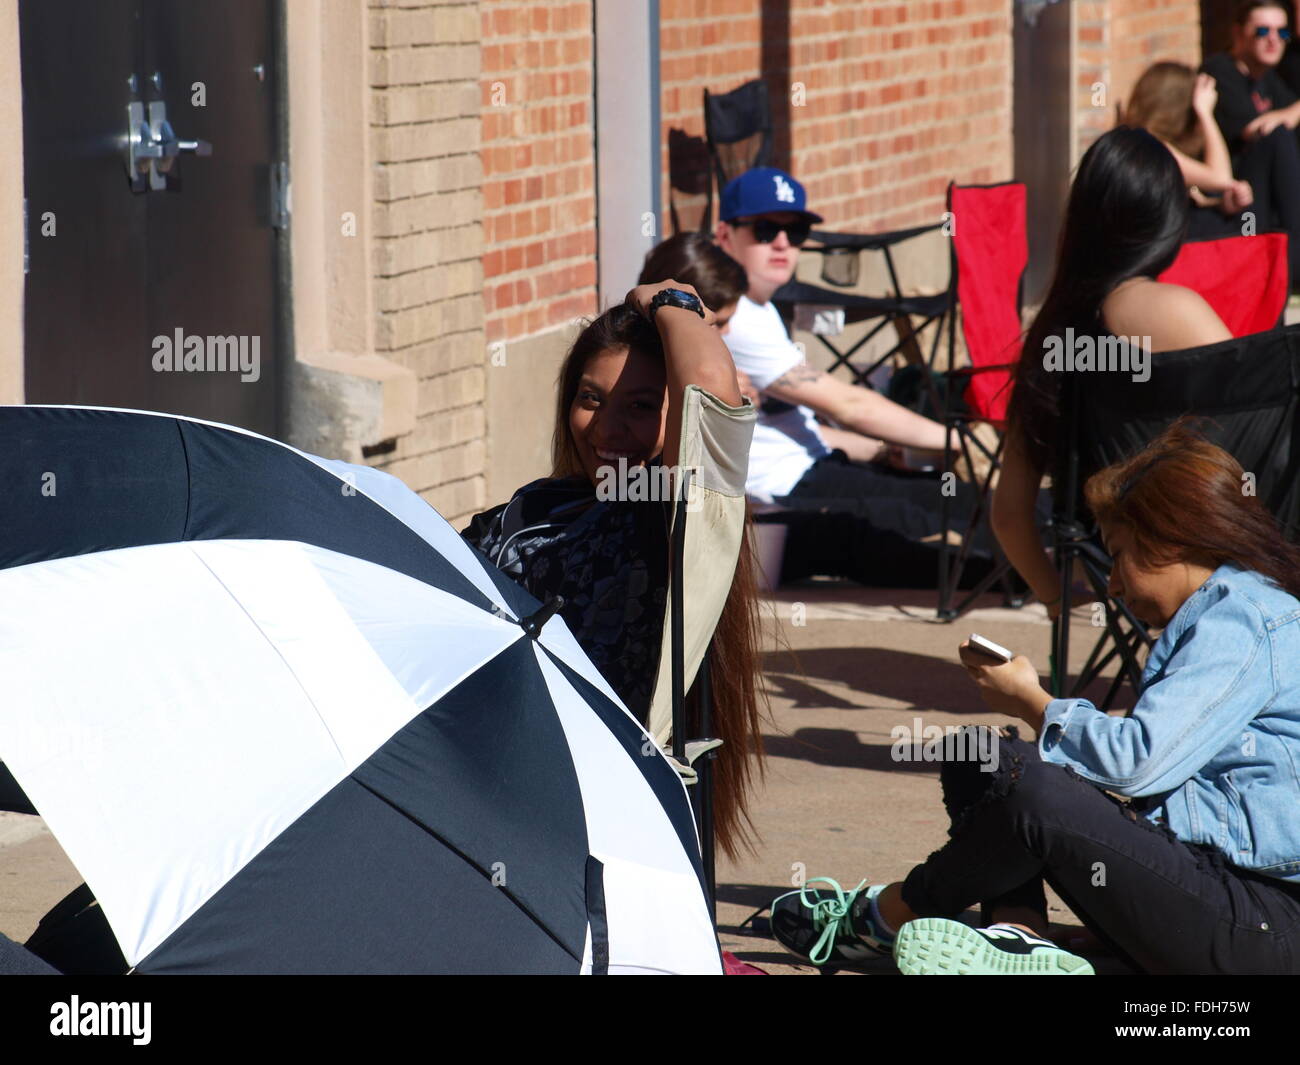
x,y
675,297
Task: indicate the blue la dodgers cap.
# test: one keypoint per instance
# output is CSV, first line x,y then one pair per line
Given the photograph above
x,y
763,190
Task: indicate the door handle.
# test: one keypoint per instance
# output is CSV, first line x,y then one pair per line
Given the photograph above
x,y
152,146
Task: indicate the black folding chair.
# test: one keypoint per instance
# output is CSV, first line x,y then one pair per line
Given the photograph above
x,y
738,128
690,182
1248,389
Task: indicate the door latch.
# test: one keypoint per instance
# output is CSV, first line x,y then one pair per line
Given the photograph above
x,y
152,146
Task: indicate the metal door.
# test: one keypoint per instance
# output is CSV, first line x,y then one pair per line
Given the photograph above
x,y
152,287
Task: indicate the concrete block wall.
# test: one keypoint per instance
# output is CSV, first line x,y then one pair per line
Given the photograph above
x,y
428,239
537,136
539,210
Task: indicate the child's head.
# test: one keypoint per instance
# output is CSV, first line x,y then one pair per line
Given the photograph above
x,y
693,259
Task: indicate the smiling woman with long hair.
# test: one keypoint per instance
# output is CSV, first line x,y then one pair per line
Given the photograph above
x,y
643,391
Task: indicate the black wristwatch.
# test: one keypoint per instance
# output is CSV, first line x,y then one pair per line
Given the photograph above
x,y
675,297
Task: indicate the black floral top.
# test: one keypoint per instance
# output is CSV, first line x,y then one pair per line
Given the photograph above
x,y
607,559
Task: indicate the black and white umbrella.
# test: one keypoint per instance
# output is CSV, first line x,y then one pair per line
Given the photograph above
x,y
283,719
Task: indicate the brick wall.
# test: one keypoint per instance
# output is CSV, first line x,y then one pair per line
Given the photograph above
x,y
877,105
428,238
1117,41
482,142
537,147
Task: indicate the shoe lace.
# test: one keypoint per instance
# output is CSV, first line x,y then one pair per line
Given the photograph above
x,y
827,913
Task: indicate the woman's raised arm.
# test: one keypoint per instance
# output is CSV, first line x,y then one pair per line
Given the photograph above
x,y
694,354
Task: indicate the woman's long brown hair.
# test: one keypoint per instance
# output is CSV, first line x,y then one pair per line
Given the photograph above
x,y
733,656
1161,103
1185,499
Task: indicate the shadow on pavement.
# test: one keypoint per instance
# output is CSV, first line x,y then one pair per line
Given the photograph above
x,y
840,747
882,673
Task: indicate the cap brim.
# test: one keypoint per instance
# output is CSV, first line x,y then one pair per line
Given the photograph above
x,y
806,215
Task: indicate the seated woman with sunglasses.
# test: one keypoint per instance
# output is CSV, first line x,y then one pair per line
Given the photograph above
x,y
1200,871
850,513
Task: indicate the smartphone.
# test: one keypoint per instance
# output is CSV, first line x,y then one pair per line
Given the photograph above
x,y
988,647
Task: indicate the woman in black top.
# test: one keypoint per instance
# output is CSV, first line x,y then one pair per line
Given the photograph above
x,y
595,532
1124,223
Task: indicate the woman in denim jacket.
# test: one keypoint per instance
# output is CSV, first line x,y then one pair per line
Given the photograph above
x,y
1199,871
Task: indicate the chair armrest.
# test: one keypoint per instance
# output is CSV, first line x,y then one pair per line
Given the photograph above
x,y
970,371
828,239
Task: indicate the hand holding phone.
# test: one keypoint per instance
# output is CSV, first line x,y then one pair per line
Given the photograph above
x,y
988,647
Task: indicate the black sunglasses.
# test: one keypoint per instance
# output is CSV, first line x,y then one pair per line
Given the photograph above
x,y
765,230
1263,31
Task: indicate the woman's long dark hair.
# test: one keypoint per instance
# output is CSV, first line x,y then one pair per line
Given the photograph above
x,y
733,656
1126,217
1182,499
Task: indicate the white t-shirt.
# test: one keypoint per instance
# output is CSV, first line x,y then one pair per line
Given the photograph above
x,y
785,444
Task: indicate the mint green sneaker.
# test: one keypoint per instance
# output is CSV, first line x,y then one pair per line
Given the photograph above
x,y
933,946
829,926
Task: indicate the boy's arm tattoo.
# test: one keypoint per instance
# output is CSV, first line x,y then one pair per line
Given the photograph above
x,y
802,374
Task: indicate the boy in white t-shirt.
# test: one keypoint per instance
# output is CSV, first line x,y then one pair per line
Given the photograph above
x,y
849,516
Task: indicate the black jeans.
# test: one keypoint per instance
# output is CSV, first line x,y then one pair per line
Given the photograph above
x,y
865,521
1272,166
1164,906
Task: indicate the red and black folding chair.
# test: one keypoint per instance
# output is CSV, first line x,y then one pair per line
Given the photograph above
x,y
989,253
1245,279
1247,389
1247,386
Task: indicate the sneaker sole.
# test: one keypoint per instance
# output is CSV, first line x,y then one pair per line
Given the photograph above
x,y
933,946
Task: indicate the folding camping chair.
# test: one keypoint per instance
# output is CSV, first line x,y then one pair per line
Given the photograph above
x,y
702,793
690,182
1249,390
1245,279
895,309
738,128
989,252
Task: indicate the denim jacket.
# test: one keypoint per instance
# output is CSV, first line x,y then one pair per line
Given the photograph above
x,y
1214,740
